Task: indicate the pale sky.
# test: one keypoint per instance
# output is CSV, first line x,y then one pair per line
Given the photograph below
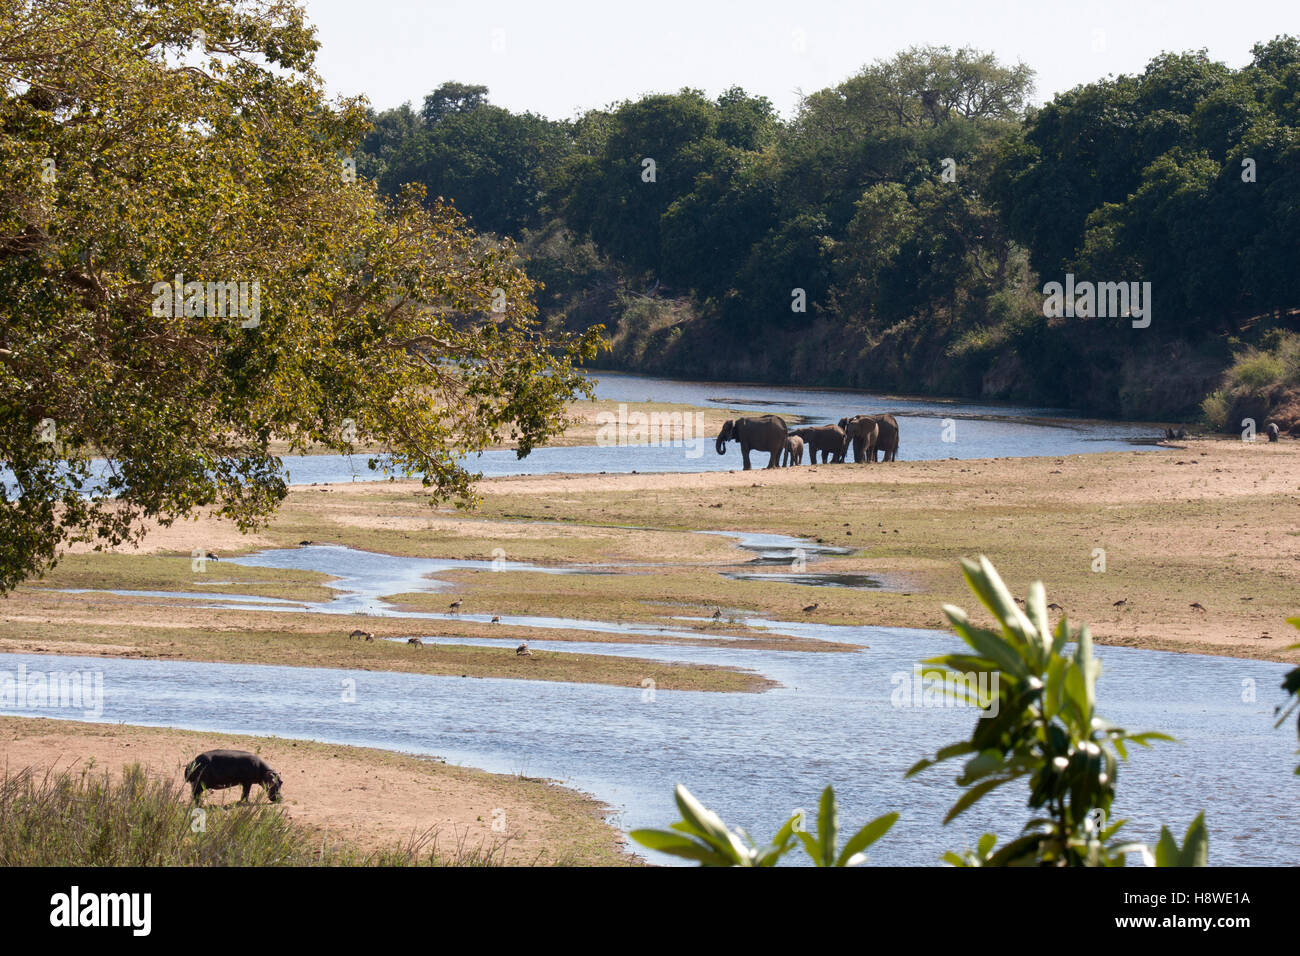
x,y
559,57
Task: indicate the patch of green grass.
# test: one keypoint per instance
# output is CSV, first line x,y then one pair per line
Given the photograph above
x,y
84,818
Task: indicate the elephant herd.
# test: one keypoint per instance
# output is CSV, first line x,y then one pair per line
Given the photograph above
x,y
867,435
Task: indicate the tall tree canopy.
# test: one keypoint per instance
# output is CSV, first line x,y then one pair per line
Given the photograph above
x,y
1187,176
907,208
496,165
146,147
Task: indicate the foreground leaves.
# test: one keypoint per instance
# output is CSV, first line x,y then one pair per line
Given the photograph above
x,y
1045,730
700,835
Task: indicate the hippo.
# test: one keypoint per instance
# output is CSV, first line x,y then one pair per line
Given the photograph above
x,y
219,769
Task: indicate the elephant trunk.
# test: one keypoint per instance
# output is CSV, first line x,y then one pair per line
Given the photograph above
x,y
728,431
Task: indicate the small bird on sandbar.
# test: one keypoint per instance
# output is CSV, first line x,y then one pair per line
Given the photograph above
x,y
1197,606
1122,602
455,605
811,607
496,619
717,613
1054,606
523,651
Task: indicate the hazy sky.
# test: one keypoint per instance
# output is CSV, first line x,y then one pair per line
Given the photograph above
x,y
562,56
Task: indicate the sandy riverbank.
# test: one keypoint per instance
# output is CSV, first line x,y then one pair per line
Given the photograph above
x,y
1201,554
370,799
1210,523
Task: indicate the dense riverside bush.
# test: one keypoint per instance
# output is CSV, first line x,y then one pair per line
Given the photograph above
x,y
1263,383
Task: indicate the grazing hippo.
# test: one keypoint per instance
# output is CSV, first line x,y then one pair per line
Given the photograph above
x,y
219,769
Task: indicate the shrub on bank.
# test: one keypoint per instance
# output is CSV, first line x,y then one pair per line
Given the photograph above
x,y
1263,383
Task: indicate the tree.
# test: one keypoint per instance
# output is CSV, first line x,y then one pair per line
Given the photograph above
x,y
707,234
646,158
745,122
1182,176
153,150
494,165
452,98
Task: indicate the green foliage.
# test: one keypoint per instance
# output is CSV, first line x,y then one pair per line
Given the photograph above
x,y
88,819
452,98
218,157
1145,178
1257,369
1131,178
649,156
1216,408
1257,380
493,164
1042,728
1045,729
1195,850
700,835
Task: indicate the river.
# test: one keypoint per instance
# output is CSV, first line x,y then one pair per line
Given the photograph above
x,y
755,758
929,429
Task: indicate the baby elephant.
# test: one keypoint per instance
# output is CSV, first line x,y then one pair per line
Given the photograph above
x,y
793,451
219,769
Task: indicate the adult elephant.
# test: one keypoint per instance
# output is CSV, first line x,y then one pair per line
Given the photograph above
x,y
827,439
760,433
862,432
886,437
